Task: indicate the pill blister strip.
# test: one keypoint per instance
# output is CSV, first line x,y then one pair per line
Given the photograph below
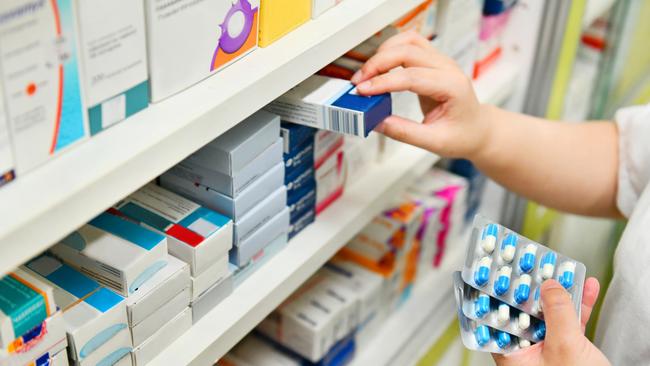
x,y
489,311
480,337
486,252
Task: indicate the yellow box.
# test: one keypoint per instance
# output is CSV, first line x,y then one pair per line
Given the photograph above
x,y
279,17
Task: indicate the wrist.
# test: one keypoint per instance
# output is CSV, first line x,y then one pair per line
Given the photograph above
x,y
486,127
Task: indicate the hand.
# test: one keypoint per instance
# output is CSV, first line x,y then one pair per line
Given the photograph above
x,y
454,123
565,343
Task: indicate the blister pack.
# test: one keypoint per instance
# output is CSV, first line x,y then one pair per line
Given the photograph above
x,y
498,315
511,268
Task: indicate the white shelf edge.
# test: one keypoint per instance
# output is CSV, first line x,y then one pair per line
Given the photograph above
x,y
46,204
498,83
264,290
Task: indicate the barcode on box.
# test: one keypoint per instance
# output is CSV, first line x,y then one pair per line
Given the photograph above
x,y
343,121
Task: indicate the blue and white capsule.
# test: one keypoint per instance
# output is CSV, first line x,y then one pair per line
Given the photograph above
x,y
482,335
547,265
502,283
489,238
524,343
503,339
540,331
522,292
503,314
482,272
508,247
482,305
523,321
527,260
537,307
566,273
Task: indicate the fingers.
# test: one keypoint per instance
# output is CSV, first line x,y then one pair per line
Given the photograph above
x,y
589,297
559,314
422,81
402,55
407,131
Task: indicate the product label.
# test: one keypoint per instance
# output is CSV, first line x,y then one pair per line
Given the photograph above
x,y
164,203
25,307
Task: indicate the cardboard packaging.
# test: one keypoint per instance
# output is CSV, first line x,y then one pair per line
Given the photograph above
x,y
113,60
247,249
151,324
47,338
330,181
279,17
116,252
218,271
41,82
174,328
326,144
212,297
301,222
195,234
332,104
294,136
59,359
260,215
230,185
112,352
302,201
299,159
458,26
93,314
240,274
221,32
235,208
7,173
26,302
321,6
300,180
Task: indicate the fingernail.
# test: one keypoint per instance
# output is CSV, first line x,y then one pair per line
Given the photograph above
x,y
365,85
357,77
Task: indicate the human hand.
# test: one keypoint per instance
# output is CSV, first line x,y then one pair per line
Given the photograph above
x,y
565,343
455,124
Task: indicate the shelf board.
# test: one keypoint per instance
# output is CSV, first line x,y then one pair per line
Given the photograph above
x,y
498,83
264,290
46,204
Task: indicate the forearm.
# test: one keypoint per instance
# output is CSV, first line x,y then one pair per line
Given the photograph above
x,y
570,167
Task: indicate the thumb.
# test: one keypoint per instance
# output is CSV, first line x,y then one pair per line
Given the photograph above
x,y
407,131
562,326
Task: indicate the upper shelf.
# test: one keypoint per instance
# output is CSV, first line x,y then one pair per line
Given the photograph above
x,y
45,205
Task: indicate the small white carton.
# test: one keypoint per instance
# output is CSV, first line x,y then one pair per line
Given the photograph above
x,y
111,352
260,215
39,343
195,234
212,297
116,252
174,328
146,328
262,237
217,272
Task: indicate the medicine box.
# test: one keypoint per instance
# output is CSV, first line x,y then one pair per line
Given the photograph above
x,y
221,31
260,214
332,104
195,234
112,352
230,185
172,307
212,297
321,6
214,274
330,181
299,159
235,208
59,359
47,338
158,290
113,60
279,17
116,252
246,249
326,144
300,179
301,201
93,314
25,303
301,222
172,330
458,26
6,150
294,136
233,150
41,82
240,274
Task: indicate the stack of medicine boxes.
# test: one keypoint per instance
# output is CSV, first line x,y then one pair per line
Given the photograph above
x,y
198,238
94,317
241,175
329,165
32,329
300,176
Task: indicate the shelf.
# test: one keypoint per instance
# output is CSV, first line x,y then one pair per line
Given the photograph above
x,y
264,290
498,83
416,325
45,205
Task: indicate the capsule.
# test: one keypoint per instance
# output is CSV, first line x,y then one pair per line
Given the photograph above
x,y
482,273
523,289
523,343
503,313
547,265
489,238
538,304
503,339
540,331
482,334
567,271
502,283
508,247
527,260
523,321
482,305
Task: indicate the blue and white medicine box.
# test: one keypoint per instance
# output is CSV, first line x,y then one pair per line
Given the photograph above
x,y
300,179
116,252
258,240
301,201
294,136
93,314
332,104
299,159
301,222
195,234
